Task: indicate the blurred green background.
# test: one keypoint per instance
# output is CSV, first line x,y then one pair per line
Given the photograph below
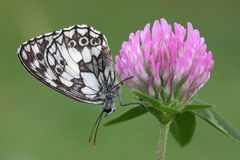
x,y
37,123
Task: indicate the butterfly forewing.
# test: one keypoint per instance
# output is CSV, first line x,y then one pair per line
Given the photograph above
x,y
75,61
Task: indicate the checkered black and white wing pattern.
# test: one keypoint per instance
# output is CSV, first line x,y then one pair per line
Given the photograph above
x,y
31,55
75,61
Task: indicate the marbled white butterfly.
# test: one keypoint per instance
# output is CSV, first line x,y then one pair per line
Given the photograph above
x,y
77,62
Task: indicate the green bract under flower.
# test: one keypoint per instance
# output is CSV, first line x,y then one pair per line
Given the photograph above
x,y
166,64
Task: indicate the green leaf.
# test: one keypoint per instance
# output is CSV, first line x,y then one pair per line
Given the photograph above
x,y
155,103
191,107
182,127
215,119
130,114
173,104
148,99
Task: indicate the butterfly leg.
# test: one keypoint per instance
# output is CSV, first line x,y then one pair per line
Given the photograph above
x,y
126,104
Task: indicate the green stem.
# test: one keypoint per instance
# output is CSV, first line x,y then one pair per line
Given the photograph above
x,y
164,130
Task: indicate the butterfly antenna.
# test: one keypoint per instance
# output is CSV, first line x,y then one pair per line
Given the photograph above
x,y
121,82
95,130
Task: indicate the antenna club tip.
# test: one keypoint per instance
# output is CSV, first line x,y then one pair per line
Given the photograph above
x,y
94,146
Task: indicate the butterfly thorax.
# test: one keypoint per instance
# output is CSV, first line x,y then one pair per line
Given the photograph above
x,y
108,104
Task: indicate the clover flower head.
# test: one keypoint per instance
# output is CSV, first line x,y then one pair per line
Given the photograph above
x,y
165,63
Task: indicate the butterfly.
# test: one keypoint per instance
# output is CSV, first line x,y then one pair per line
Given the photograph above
x,y
77,62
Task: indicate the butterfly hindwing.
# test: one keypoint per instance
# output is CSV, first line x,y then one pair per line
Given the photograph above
x,y
75,61
31,54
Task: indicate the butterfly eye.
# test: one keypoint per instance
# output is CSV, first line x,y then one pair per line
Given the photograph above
x,y
95,41
72,43
83,41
